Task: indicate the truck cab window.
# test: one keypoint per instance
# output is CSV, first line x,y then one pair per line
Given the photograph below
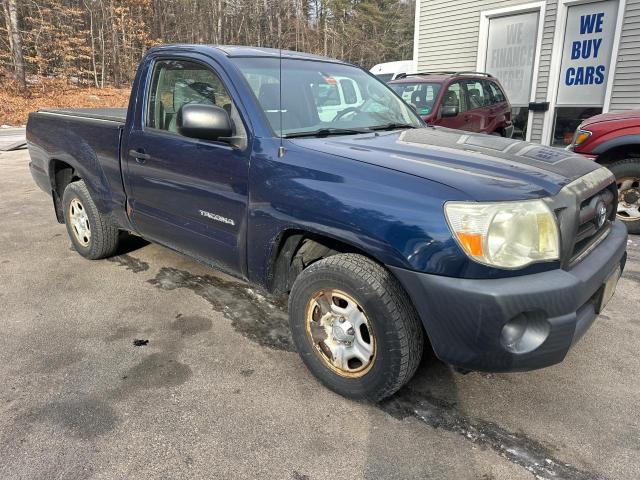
x,y
176,83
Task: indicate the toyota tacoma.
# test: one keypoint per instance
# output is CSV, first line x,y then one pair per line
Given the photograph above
x,y
386,233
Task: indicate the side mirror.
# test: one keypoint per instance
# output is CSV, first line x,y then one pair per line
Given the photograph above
x,y
447,111
206,122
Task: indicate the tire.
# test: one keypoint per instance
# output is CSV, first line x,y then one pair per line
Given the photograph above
x,y
97,237
392,326
627,173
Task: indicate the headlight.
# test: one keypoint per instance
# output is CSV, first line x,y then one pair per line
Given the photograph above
x,y
505,234
580,137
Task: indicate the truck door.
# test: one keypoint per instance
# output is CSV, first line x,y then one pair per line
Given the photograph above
x,y
186,193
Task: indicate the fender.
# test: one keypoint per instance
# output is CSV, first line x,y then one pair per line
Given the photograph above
x,y
619,141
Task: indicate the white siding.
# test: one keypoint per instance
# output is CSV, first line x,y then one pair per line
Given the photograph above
x,y
449,32
546,50
626,85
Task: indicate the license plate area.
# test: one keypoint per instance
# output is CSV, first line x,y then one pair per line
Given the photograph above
x,y
607,290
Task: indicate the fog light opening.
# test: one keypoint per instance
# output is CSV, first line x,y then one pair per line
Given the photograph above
x,y
525,333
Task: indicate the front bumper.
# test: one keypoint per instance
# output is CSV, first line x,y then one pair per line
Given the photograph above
x,y
464,317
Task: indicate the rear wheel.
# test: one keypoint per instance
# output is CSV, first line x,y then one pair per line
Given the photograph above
x,y
627,173
92,235
354,327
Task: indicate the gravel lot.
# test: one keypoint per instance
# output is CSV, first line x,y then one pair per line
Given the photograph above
x,y
218,393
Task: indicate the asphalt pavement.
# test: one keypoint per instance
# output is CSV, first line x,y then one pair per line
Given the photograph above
x,y
213,388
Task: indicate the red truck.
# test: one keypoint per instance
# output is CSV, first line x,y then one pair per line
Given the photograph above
x,y
613,140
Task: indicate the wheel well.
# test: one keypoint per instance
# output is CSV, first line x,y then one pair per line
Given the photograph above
x,y
61,174
297,250
619,153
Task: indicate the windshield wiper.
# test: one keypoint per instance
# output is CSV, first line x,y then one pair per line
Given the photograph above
x,y
325,132
392,126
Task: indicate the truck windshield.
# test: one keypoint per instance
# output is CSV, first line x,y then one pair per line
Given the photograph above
x,y
420,95
323,98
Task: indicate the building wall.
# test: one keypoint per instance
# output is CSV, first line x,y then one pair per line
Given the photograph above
x,y
626,84
449,32
448,40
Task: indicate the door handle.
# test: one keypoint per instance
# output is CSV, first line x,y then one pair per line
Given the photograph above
x,y
139,155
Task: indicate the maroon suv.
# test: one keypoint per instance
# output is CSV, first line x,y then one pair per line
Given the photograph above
x,y
471,101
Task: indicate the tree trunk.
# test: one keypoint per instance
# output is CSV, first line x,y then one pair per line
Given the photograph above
x,y
15,41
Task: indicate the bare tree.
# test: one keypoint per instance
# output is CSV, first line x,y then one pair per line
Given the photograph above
x,y
100,42
15,40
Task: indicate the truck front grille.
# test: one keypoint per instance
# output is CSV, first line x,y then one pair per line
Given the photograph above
x,y
596,212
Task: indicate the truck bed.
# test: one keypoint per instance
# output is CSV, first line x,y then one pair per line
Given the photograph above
x,y
109,114
86,139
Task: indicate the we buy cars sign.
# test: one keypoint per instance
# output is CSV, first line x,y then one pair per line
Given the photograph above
x,y
586,57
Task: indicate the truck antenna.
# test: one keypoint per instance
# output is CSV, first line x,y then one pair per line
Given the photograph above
x,y
281,147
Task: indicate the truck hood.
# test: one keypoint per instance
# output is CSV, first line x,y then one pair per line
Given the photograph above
x,y
484,167
612,117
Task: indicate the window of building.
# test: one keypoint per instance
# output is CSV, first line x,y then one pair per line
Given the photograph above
x,y
567,120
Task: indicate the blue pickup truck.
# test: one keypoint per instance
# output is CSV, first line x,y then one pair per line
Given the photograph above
x,y
380,229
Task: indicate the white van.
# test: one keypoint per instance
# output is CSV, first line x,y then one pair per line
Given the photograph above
x,y
390,70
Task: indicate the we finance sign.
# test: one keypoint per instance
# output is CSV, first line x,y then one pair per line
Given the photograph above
x,y
511,47
586,57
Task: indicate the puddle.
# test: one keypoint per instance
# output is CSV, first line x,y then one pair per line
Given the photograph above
x,y
257,317
191,325
155,371
515,447
86,419
134,264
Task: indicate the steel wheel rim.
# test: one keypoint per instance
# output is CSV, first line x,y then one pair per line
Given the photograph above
x,y
341,333
628,199
79,221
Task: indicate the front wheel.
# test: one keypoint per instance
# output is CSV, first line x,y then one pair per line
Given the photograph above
x,y
627,173
354,327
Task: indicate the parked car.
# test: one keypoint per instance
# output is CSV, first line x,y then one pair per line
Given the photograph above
x,y
379,228
470,101
390,70
613,140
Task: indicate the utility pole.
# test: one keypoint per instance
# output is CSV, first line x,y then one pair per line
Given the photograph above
x,y
15,41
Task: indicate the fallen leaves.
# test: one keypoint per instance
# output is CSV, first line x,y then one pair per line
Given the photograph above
x,y
15,106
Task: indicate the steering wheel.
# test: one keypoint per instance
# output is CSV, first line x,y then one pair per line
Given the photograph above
x,y
347,110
